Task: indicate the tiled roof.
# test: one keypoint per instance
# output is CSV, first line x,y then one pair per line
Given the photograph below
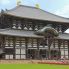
x,y
22,33
63,36
19,33
35,13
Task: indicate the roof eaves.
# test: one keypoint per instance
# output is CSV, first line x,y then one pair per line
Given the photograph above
x,y
34,18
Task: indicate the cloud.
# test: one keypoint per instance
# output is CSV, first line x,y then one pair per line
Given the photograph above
x,y
63,11
4,2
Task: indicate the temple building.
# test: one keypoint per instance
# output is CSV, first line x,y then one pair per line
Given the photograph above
x,y
32,33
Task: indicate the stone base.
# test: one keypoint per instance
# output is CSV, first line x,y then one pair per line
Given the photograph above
x,y
19,61
32,61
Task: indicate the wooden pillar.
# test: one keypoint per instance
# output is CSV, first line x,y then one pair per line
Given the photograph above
x,y
14,44
49,51
68,49
59,45
2,21
54,43
26,43
38,56
0,41
64,48
33,25
49,55
22,24
3,44
11,22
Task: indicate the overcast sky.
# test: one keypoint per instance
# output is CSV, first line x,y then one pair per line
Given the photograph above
x,y
59,7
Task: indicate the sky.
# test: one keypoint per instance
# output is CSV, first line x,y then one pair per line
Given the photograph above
x,y
58,7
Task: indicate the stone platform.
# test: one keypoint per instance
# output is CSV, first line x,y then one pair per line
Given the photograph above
x,y
34,62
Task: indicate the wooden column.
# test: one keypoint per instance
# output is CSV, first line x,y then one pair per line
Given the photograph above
x,y
14,41
3,44
54,43
49,51
38,56
59,45
2,21
64,48
26,43
68,49
22,24
0,41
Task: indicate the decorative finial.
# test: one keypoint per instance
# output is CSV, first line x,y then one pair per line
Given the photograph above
x,y
18,2
37,6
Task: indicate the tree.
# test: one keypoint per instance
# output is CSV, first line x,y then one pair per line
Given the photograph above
x,y
49,33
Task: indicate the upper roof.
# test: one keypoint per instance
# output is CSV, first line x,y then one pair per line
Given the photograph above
x,y
35,13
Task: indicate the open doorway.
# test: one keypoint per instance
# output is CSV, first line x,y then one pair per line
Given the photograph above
x,y
43,53
32,53
55,54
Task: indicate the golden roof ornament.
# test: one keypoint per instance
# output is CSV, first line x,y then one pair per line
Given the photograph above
x,y
18,2
37,6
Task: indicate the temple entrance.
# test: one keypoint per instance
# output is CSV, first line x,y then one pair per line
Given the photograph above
x,y
43,54
32,53
35,54
55,54
1,56
1,53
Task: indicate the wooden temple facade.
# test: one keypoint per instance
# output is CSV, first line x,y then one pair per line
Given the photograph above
x,y
19,41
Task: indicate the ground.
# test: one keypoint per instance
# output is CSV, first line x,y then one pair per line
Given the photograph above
x,y
33,66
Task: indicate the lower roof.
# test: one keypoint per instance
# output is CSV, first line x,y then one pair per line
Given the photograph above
x,y
19,33
31,34
64,36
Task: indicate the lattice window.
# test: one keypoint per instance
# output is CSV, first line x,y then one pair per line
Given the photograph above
x,y
9,56
30,26
36,27
19,26
66,44
64,50
20,53
9,53
20,48
40,26
14,24
25,27
34,42
23,42
30,42
8,42
43,43
60,28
